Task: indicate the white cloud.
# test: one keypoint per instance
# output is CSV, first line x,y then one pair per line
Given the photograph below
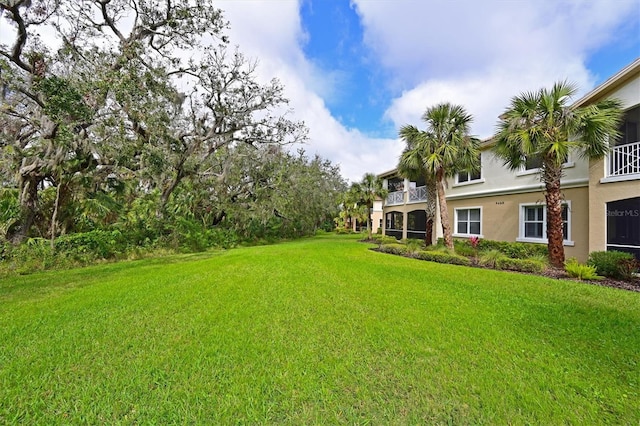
x,y
485,95
480,54
272,32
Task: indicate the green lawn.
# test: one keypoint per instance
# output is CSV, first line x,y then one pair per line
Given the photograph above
x,y
315,331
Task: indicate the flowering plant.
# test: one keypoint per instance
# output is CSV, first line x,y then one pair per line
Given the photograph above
x,y
474,241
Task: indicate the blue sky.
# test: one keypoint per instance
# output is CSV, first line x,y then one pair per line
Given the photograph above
x,y
334,44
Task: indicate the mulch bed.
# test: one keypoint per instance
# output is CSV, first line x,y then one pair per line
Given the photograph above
x,y
560,274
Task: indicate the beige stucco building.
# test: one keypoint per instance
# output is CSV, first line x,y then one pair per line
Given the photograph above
x,y
602,198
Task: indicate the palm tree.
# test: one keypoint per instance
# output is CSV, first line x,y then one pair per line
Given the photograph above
x,y
543,126
446,148
350,210
369,190
411,165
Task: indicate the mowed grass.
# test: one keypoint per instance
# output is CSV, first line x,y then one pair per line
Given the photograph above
x,y
316,331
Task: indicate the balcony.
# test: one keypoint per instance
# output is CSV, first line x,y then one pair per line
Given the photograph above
x,y
395,198
418,194
624,162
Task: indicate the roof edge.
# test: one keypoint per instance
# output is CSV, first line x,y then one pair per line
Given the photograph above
x,y
609,83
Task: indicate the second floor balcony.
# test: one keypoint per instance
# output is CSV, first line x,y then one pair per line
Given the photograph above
x,y
395,198
624,161
414,195
417,194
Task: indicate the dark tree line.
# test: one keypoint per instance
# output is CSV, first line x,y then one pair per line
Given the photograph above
x,y
141,115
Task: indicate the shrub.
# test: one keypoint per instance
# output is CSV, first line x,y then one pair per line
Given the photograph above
x,y
413,245
614,264
580,271
343,231
33,255
490,258
514,250
385,239
394,248
542,258
465,250
91,245
442,257
520,265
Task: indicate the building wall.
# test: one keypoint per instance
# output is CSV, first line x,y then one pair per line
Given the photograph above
x,y
600,193
500,216
376,216
498,179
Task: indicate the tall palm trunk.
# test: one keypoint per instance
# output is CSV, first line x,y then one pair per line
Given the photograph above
x,y
444,214
553,197
432,194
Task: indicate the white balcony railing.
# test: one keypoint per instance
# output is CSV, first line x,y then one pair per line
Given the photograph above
x,y
624,160
417,194
395,198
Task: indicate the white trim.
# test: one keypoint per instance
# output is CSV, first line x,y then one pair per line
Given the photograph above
x,y
623,246
521,238
624,178
469,182
455,222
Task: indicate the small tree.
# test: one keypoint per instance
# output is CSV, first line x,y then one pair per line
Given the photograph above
x,y
543,125
366,192
445,148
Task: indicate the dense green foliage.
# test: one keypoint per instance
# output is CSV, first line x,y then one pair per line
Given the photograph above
x,y
490,258
443,257
521,265
614,264
98,136
314,331
511,249
357,202
521,257
394,248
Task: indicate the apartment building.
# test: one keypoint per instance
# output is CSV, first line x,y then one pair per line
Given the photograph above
x,y
601,198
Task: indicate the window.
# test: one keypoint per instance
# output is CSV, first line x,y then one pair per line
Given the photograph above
x,y
533,223
394,220
534,163
467,176
468,221
630,127
395,184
